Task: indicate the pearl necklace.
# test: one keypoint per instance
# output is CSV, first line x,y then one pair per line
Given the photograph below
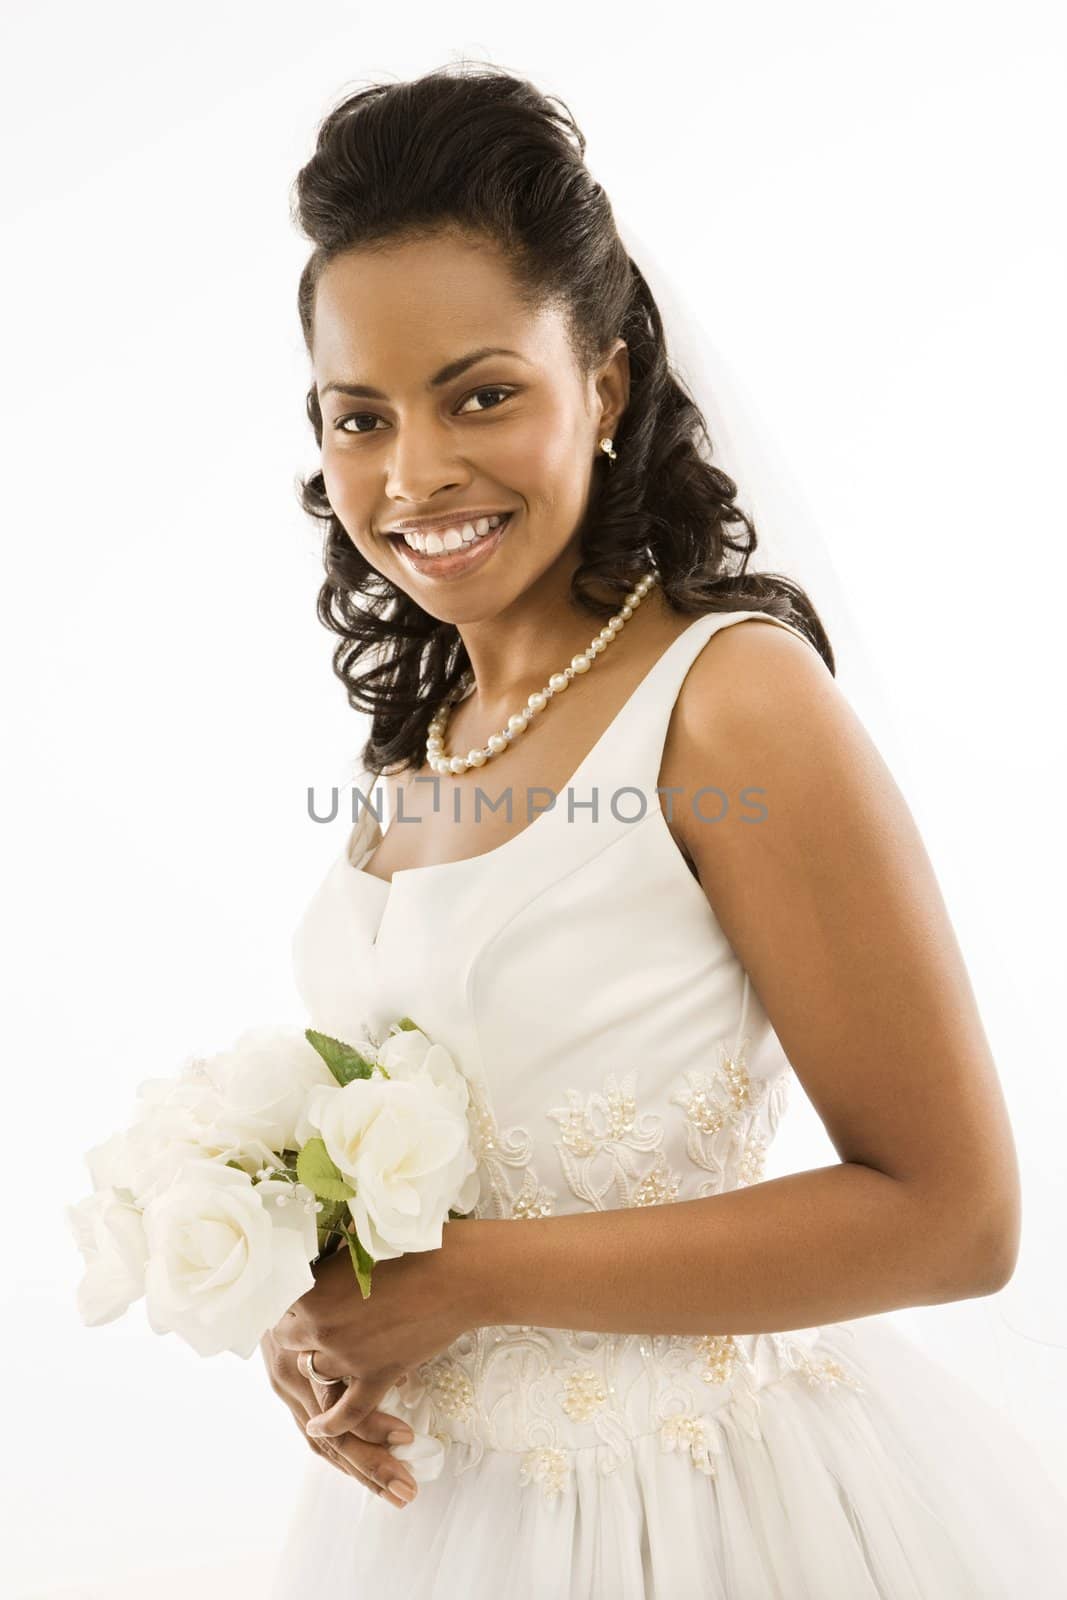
x,y
436,754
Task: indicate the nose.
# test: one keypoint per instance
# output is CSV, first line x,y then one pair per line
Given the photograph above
x,y
418,470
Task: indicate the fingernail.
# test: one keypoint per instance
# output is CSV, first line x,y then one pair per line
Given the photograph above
x,y
399,1436
315,1427
403,1490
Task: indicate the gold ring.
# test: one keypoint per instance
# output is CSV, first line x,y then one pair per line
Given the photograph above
x,y
306,1363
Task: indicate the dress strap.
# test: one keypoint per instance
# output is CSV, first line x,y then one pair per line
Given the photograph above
x,y
630,754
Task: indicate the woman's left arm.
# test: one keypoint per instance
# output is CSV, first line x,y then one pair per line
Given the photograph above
x,y
832,906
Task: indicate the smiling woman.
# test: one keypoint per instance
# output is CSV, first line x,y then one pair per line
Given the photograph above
x,y
515,455
671,1379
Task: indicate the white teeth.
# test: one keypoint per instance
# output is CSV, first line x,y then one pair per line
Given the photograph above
x,y
453,538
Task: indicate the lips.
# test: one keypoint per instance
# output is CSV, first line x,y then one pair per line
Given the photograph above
x,y
455,562
443,528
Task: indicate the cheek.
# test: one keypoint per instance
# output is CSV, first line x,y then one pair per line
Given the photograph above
x,y
338,484
552,451
347,503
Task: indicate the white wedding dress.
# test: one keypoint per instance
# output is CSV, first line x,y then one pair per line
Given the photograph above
x,y
618,1056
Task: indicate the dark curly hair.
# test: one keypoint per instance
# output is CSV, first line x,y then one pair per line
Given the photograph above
x,y
472,148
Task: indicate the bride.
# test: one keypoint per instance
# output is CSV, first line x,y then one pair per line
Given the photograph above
x,y
639,1368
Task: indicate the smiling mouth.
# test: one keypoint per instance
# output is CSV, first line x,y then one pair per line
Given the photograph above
x,y
451,562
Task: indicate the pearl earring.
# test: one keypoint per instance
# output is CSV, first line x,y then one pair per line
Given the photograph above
x,y
605,445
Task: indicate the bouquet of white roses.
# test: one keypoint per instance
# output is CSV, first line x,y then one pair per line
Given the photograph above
x,y
245,1169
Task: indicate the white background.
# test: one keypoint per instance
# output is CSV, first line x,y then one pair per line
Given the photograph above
x,y
861,206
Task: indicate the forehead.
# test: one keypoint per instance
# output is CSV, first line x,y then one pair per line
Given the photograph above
x,y
396,313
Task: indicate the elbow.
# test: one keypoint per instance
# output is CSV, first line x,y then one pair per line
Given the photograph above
x,y
994,1269
993,1247
978,1245
1001,1263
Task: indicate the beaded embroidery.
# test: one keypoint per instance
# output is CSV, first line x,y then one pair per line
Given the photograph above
x,y
601,1138
543,1394
550,1468
721,1114
692,1434
494,1152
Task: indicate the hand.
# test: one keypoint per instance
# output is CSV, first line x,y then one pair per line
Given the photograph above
x,y
417,1307
365,1455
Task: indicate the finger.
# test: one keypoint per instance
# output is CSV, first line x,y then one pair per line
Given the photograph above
x,y
288,1380
371,1447
380,1474
383,1474
325,1393
377,1427
328,1451
350,1411
320,1382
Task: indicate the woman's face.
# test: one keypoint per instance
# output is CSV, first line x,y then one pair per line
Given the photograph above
x,y
516,433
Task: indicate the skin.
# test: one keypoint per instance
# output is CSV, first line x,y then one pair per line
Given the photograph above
x,y
363,1454
873,1004
392,319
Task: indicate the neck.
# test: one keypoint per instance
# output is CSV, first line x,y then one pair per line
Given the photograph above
x,y
512,656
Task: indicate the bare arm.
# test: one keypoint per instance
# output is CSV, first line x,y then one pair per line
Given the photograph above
x,y
833,908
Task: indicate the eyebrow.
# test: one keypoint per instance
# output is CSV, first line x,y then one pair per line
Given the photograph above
x,y
453,369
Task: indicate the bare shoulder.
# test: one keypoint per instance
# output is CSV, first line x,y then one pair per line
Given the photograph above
x,y
793,778
755,657
755,690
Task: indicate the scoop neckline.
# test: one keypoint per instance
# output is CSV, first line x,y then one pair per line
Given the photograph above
x,y
505,844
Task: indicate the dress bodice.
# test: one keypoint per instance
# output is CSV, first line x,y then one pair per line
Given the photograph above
x,y
616,1052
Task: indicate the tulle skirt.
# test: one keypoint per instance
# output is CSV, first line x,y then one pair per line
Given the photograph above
x,y
909,1487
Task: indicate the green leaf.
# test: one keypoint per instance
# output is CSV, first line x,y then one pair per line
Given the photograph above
x,y
405,1025
331,1217
362,1262
343,1060
315,1168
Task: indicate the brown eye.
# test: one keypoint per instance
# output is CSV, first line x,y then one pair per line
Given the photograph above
x,y
507,393
358,416
371,416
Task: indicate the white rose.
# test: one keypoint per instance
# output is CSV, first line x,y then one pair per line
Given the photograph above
x,y
225,1260
240,1105
173,1122
110,1235
143,1159
406,1153
409,1057
188,1099
262,1083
